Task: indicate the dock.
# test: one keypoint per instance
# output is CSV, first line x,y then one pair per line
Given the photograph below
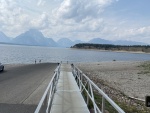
x,y
68,98
64,93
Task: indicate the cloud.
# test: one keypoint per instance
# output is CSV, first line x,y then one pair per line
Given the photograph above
x,y
133,32
71,16
15,20
41,2
78,16
12,17
74,19
139,34
41,22
79,10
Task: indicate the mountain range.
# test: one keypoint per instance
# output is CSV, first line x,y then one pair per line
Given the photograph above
x,y
4,38
34,37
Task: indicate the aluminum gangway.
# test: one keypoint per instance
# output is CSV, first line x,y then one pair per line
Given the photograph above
x,y
71,91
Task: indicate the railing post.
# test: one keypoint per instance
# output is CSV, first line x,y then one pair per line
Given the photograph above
x,y
78,77
87,94
81,81
103,104
73,70
95,111
57,75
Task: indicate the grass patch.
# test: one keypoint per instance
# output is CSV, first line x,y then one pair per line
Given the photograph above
x,y
108,107
132,109
98,100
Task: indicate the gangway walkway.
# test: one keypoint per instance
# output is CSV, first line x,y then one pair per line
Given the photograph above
x,y
68,98
66,90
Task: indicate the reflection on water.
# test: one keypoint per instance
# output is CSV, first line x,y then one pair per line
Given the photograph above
x,y
27,54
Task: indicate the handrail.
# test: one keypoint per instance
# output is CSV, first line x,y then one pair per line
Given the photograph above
x,y
79,76
49,92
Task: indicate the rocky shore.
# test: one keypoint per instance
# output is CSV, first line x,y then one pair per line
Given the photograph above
x,y
121,81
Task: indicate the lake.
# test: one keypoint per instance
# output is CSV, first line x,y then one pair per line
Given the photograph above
x,y
10,54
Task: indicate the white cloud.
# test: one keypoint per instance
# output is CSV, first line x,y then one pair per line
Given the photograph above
x,y
74,19
145,31
41,2
15,20
79,10
41,22
12,17
78,16
126,33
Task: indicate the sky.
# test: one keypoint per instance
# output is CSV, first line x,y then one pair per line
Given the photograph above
x,y
78,19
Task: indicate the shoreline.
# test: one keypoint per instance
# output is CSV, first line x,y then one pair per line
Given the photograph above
x,y
27,63
122,51
127,83
122,75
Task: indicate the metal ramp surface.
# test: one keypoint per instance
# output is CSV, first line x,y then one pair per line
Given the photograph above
x,y
68,98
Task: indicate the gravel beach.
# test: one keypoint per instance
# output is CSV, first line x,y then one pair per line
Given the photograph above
x,y
121,75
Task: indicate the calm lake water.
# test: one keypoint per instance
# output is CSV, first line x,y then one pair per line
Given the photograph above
x,y
27,54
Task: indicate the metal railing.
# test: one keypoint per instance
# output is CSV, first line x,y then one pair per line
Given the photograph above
x,y
45,103
88,89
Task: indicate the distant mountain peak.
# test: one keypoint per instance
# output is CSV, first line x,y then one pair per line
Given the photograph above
x,y
64,39
35,37
126,42
2,34
33,30
65,42
3,37
99,41
31,37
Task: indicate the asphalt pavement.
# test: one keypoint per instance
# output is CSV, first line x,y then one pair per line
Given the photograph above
x,y
22,86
